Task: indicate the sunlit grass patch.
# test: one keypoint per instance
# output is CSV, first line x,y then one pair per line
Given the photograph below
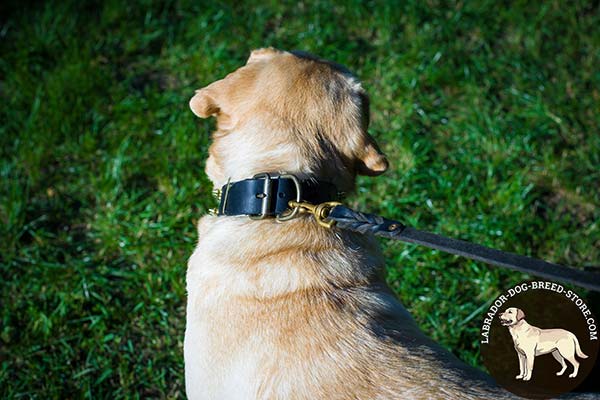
x,y
488,116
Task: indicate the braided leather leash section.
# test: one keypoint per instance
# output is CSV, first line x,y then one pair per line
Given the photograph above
x,y
346,218
356,221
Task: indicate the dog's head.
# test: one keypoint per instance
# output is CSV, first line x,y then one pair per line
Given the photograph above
x,y
289,112
511,316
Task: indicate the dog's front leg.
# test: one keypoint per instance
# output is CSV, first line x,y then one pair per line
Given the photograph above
x,y
529,359
521,364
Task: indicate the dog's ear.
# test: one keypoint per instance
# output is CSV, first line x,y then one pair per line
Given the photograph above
x,y
262,54
203,104
212,101
371,161
520,314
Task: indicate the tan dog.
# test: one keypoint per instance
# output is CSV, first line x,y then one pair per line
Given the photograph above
x,y
294,310
531,341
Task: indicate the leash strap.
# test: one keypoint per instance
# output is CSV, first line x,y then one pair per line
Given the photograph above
x,y
346,218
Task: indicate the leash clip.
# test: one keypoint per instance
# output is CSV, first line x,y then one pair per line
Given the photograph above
x,y
319,211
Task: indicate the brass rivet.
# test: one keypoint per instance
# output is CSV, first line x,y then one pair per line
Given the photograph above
x,y
393,227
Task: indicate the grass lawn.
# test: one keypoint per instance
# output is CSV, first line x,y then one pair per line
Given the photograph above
x,y
489,115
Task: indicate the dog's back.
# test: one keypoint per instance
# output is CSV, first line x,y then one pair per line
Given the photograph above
x,y
296,311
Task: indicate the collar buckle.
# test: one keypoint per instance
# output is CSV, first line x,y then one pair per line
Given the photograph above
x,y
265,196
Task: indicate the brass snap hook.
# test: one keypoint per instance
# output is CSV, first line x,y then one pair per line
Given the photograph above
x,y
319,211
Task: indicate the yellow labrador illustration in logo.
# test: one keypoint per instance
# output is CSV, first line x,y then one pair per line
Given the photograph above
x,y
531,341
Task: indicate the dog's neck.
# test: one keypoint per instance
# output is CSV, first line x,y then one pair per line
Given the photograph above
x,y
519,326
239,154
274,260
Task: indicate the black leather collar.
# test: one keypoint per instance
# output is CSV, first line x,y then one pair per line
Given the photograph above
x,y
268,196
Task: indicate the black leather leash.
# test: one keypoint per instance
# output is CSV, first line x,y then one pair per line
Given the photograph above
x,y
346,218
285,196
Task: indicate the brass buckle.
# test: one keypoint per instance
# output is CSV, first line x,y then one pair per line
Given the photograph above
x,y
295,210
266,199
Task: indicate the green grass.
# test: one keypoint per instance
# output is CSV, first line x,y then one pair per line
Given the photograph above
x,y
488,114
